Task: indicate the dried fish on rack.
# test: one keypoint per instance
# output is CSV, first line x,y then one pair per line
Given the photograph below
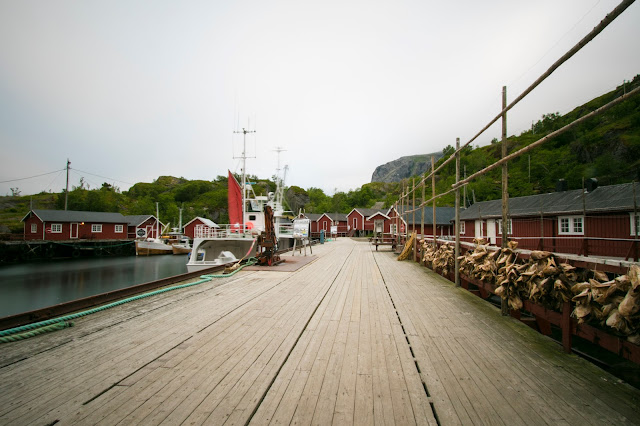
x,y
599,299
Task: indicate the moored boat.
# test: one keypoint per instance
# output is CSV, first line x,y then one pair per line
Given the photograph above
x,y
238,240
152,246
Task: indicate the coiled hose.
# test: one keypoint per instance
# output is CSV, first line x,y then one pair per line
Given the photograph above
x,y
36,328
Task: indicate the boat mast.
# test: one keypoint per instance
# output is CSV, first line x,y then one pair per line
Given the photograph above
x,y
280,180
244,170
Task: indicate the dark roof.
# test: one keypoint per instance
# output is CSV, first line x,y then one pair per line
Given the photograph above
x,y
337,217
444,216
77,216
138,219
610,198
369,212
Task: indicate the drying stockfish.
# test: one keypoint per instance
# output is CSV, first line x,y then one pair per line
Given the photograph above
x,y
631,303
598,298
443,259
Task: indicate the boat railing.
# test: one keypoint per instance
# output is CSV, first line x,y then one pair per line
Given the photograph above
x,y
285,230
224,231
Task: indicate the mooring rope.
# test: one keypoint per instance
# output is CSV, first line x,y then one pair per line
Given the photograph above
x,y
408,247
34,329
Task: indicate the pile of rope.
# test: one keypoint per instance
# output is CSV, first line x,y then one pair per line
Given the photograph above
x,y
408,248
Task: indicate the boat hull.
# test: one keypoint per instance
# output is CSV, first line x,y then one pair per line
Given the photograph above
x,y
147,248
210,249
176,249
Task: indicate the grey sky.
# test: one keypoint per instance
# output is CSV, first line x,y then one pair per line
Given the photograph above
x,y
135,90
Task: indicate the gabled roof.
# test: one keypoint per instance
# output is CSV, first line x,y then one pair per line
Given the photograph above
x,y
444,216
138,219
612,198
76,216
208,222
378,213
336,217
366,212
312,216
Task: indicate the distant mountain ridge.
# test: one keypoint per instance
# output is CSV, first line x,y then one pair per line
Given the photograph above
x,y
404,167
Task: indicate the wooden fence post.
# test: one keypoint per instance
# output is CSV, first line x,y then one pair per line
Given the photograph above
x,y
457,227
504,302
433,194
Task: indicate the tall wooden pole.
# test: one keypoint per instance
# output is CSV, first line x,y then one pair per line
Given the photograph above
x,y
397,224
505,175
66,192
433,195
422,203
402,206
504,304
457,249
413,207
635,221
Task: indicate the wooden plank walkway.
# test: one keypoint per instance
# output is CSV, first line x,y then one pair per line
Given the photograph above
x,y
354,337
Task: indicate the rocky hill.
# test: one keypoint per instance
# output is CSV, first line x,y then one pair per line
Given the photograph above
x,y
404,167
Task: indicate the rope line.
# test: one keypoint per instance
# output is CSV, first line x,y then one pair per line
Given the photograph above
x,y
34,329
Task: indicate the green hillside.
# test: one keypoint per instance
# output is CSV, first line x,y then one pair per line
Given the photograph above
x,y
606,147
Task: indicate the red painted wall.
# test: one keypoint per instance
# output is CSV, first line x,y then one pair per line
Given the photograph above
x,y
190,229
149,225
84,231
610,226
359,221
324,223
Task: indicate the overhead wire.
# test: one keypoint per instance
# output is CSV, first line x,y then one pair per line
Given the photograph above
x,y
103,177
31,177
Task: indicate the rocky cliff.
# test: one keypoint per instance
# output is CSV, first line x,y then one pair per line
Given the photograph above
x,y
404,167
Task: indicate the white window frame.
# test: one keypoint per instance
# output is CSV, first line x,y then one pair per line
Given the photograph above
x,y
34,228
571,225
119,229
96,228
56,228
509,227
632,225
462,227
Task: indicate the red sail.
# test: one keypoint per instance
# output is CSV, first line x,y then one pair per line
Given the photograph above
x,y
234,197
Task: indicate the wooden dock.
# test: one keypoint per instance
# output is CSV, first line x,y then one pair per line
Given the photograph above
x,y
353,337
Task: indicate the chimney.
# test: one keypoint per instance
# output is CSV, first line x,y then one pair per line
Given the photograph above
x,y
561,185
591,184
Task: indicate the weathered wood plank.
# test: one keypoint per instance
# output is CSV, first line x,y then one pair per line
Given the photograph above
x,y
348,338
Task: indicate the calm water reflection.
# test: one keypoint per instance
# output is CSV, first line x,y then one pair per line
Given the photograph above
x,y
37,285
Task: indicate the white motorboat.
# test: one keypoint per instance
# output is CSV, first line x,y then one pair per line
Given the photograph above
x,y
239,239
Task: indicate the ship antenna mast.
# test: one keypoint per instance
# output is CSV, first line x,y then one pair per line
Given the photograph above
x,y
280,181
244,169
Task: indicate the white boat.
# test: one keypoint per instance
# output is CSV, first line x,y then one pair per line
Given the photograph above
x,y
238,240
152,246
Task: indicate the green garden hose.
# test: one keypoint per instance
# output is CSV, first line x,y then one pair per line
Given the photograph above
x,y
31,330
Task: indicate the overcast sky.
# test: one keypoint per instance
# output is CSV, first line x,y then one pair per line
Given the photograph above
x,y
132,90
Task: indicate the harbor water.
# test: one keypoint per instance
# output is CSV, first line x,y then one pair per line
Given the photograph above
x,y
29,286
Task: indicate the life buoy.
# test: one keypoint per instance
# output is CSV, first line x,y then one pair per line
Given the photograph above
x,y
75,253
249,225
